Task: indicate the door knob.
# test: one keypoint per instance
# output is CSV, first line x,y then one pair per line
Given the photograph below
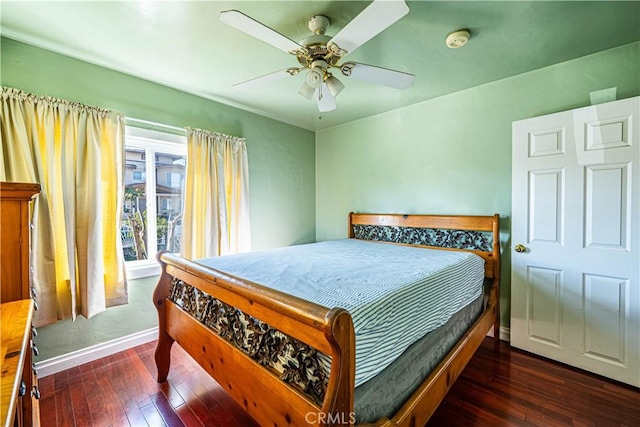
x,y
520,248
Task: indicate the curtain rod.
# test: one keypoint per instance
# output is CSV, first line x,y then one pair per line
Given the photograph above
x,y
145,124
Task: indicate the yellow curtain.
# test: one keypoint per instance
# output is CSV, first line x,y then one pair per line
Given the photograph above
x,y
76,153
216,211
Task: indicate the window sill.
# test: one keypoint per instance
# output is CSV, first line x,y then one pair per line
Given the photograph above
x,y
140,269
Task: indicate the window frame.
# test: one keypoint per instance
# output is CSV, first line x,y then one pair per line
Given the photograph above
x,y
152,141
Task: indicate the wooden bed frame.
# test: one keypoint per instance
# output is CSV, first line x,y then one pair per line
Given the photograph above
x,y
260,391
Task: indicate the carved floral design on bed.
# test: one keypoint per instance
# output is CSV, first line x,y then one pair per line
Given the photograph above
x,y
292,360
459,239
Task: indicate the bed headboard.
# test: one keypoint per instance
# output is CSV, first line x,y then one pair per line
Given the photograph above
x,y
477,234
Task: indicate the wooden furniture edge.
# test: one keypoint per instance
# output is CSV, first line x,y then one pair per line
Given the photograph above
x,y
19,190
340,396
9,397
447,222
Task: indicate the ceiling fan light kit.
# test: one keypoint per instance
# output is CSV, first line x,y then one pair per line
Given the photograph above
x,y
334,85
316,74
319,52
307,91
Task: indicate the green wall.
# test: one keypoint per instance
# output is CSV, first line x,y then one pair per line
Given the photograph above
x,y
452,155
281,156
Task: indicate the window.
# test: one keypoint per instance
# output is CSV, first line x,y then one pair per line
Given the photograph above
x,y
175,180
154,188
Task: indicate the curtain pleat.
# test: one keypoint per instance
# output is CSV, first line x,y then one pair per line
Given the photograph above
x,y
76,153
216,211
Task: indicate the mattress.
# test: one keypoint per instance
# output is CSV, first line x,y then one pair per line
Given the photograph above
x,y
395,294
383,395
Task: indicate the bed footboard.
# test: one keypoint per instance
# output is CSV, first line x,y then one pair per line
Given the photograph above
x,y
239,332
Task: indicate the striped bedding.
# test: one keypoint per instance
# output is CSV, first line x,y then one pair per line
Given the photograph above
x,y
395,294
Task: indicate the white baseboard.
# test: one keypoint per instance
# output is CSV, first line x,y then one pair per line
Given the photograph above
x,y
89,354
505,334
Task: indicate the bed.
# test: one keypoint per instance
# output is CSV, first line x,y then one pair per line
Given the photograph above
x,y
288,356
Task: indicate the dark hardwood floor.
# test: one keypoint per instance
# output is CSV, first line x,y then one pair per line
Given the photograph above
x,y
501,386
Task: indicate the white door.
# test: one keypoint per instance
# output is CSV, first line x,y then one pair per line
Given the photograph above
x,y
575,292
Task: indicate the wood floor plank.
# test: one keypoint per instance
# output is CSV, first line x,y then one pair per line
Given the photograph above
x,y
201,392
152,416
171,394
145,384
48,412
110,396
166,410
99,412
60,381
226,418
123,380
136,417
46,385
148,361
64,408
456,416
500,387
187,416
492,402
81,411
202,413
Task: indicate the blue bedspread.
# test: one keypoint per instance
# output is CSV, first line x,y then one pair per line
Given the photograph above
x,y
395,294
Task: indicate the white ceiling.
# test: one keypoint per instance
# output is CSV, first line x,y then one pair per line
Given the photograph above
x,y
182,44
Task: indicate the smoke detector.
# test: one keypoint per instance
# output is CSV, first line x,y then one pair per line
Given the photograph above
x,y
457,39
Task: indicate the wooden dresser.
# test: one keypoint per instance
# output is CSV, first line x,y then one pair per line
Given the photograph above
x,y
15,285
15,231
16,408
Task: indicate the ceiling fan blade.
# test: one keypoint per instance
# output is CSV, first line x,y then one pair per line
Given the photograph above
x,y
379,15
326,101
248,25
266,79
377,75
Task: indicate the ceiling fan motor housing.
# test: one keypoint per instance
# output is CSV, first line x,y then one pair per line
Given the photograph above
x,y
318,24
316,44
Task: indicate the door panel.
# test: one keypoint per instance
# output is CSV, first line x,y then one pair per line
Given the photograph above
x,y
607,201
545,206
576,212
606,313
544,311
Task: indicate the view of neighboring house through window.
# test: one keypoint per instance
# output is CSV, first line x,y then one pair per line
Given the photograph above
x,y
153,199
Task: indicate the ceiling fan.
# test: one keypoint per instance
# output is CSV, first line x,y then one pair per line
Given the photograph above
x,y
319,53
